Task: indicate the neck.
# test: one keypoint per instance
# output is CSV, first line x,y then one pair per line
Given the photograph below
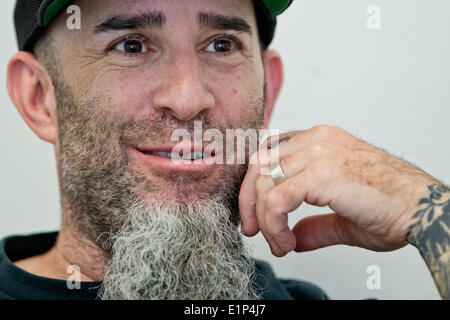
x,y
72,248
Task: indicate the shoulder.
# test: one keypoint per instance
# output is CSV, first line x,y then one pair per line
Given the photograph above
x,y
274,288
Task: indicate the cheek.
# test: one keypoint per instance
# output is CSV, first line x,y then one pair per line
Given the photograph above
x,y
129,95
237,96
127,90
236,91
132,95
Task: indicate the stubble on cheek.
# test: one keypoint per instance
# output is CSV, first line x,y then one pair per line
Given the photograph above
x,y
91,166
100,182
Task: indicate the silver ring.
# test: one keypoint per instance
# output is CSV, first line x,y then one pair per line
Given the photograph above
x,y
277,173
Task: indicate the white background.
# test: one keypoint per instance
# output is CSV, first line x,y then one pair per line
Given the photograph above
x,y
389,87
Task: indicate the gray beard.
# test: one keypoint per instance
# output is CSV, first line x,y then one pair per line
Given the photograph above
x,y
186,250
179,252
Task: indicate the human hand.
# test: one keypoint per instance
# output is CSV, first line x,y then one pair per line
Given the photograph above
x,y
373,194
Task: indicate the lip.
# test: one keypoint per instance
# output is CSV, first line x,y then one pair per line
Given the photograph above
x,y
173,148
171,164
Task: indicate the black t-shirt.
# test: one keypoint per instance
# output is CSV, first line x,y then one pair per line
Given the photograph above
x,y
17,284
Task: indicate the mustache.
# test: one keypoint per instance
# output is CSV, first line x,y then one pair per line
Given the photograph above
x,y
160,129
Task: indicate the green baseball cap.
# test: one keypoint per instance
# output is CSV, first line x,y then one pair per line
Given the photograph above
x,y
31,17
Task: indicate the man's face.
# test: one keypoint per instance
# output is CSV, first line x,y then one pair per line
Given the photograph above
x,y
135,72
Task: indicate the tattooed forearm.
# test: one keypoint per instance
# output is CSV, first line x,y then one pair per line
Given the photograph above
x,y
430,233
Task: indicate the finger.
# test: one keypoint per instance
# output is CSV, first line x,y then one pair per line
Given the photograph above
x,y
298,139
321,231
284,199
257,167
263,186
274,141
291,165
247,202
280,201
297,153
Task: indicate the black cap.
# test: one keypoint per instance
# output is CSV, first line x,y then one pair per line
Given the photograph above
x,y
31,17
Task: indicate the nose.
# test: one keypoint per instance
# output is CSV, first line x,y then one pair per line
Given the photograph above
x,y
184,91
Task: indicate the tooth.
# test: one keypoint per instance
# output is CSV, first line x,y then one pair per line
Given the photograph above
x,y
195,155
187,156
174,155
163,154
198,155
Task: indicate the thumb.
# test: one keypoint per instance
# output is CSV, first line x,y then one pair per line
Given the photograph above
x,y
325,230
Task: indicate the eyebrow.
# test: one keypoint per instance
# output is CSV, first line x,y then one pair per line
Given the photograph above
x,y
221,22
120,22
158,20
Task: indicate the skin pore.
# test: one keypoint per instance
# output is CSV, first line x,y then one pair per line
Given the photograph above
x,y
97,102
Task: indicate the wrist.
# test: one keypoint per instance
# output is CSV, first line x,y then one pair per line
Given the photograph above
x,y
429,219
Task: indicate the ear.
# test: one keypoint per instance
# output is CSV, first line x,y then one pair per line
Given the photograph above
x,y
31,89
273,67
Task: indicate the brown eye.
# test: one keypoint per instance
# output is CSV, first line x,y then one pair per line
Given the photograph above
x,y
221,46
131,46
